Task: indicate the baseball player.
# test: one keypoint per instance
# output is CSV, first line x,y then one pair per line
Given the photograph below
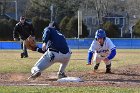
x,y
103,49
25,31
57,51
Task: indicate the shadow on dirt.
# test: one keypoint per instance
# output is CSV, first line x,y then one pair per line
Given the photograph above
x,y
121,80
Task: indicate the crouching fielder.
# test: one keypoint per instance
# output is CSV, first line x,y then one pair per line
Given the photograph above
x,y
103,49
57,51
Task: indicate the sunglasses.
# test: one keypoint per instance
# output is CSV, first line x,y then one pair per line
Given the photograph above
x,y
22,18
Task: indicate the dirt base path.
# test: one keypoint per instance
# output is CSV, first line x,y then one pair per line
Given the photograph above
x,y
128,76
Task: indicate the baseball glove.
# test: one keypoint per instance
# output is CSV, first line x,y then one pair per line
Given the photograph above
x,y
30,43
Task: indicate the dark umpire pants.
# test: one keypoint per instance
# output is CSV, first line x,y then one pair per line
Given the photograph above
x,y
23,47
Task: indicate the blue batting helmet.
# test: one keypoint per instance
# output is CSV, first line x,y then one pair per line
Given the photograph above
x,y
100,33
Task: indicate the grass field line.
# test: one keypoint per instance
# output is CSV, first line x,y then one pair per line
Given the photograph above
x,y
117,82
21,84
99,82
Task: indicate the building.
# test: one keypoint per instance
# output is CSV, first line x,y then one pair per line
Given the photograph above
x,y
90,20
8,8
121,20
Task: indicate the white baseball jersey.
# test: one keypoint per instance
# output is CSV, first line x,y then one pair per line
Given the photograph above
x,y
102,50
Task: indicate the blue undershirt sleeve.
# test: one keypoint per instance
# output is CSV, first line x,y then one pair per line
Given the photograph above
x,y
112,54
90,54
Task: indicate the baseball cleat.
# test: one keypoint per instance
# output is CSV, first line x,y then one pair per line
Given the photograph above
x,y
25,56
22,55
96,66
108,70
61,75
35,75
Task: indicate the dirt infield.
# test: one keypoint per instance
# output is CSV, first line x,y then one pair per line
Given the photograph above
x,y
128,76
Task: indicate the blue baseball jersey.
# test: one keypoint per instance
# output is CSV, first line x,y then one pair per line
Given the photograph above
x,y
55,40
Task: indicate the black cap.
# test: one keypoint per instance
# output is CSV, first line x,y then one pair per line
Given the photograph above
x,y
54,24
22,17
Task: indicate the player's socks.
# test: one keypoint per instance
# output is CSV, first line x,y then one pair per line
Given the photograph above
x,y
108,68
96,66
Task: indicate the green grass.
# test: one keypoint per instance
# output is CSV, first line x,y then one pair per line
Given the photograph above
x,y
10,62
32,89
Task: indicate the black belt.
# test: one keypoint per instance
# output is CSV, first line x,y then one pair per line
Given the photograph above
x,y
57,51
54,50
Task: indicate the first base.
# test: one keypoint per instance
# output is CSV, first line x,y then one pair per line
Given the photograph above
x,y
70,79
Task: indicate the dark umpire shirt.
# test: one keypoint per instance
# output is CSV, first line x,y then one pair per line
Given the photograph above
x,y
55,40
23,30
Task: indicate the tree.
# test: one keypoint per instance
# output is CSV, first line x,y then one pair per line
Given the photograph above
x,y
41,8
72,28
85,32
39,24
63,25
136,31
38,8
112,30
12,23
6,29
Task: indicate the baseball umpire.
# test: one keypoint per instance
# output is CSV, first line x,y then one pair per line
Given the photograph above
x,y
103,49
25,32
57,51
